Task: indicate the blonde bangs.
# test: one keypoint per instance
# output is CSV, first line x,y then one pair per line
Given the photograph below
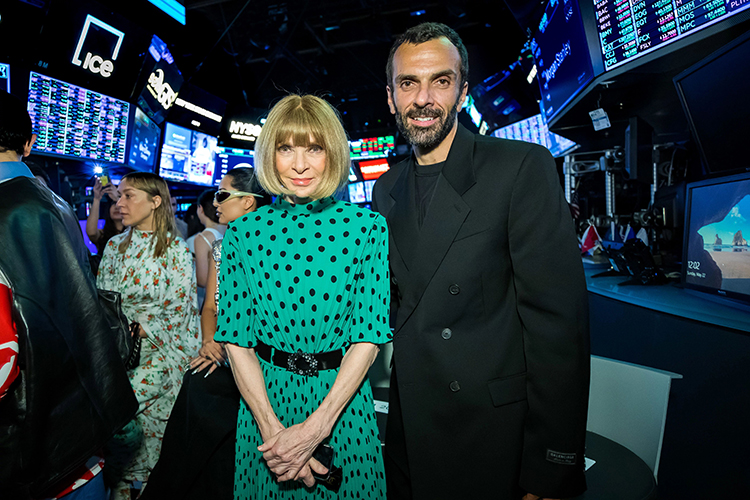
x,y
302,121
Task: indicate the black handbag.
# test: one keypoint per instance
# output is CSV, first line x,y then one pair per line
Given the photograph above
x,y
128,343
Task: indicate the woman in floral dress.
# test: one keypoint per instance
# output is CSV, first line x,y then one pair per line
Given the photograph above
x,y
153,271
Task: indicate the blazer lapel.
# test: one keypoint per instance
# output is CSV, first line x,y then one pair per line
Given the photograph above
x,y
446,215
403,218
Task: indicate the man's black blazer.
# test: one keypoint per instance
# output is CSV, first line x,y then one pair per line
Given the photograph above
x,y
491,341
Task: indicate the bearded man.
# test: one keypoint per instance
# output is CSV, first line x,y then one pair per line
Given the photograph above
x,y
489,387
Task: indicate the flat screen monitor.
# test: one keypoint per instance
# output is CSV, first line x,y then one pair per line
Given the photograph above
x,y
187,156
562,56
144,142
535,130
361,192
371,147
716,256
629,30
5,77
717,104
372,169
73,121
229,158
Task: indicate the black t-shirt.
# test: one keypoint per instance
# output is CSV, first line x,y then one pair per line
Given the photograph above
x,y
425,180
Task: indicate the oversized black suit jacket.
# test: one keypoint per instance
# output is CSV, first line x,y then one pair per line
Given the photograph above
x,y
491,342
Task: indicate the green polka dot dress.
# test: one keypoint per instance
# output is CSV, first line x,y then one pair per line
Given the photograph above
x,y
312,277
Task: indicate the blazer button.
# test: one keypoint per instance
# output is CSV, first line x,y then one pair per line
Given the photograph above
x,y
394,280
446,333
454,386
454,289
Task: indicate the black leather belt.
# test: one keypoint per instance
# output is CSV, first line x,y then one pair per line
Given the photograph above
x,y
301,363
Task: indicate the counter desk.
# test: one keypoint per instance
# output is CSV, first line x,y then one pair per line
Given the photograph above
x,y
706,445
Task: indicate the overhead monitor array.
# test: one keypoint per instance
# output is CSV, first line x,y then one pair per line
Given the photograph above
x,y
73,121
576,41
628,30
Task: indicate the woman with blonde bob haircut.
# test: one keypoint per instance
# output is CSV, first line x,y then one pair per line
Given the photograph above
x,y
303,307
153,271
303,120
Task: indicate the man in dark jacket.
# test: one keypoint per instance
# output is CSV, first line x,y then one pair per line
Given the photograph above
x,y
489,387
67,391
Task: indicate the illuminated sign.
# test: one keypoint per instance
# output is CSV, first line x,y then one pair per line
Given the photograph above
x,y
161,90
244,131
372,169
197,109
96,63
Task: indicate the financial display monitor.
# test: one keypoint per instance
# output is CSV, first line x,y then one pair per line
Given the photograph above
x,y
717,107
562,56
229,158
361,192
187,156
5,77
535,130
73,121
371,147
144,142
716,255
631,29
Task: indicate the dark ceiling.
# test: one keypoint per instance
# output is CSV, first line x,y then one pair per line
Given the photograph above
x,y
252,52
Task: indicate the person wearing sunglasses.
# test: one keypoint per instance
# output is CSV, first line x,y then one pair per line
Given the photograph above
x,y
303,306
198,450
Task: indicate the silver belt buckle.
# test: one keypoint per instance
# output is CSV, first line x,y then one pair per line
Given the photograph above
x,y
311,370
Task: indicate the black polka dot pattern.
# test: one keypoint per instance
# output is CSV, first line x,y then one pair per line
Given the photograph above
x,y
321,284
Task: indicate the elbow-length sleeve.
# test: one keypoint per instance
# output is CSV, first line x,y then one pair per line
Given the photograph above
x,y
235,307
372,293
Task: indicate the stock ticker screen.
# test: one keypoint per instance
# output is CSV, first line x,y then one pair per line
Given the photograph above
x,y
630,29
371,147
74,121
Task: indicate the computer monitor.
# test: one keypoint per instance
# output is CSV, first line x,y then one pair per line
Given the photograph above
x,y
716,255
72,121
144,142
534,130
229,158
372,169
716,103
361,192
188,156
371,147
630,30
562,56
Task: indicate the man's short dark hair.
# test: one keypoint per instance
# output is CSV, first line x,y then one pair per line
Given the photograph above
x,y
424,33
15,124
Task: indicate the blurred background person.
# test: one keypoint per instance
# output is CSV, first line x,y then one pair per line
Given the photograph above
x,y
181,225
197,457
153,270
201,244
112,216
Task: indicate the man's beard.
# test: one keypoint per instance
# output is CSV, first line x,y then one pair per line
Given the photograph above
x,y
426,138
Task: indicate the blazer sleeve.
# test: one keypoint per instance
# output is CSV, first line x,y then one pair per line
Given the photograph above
x,y
552,304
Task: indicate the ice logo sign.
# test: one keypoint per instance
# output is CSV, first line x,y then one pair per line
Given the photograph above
x,y
96,63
